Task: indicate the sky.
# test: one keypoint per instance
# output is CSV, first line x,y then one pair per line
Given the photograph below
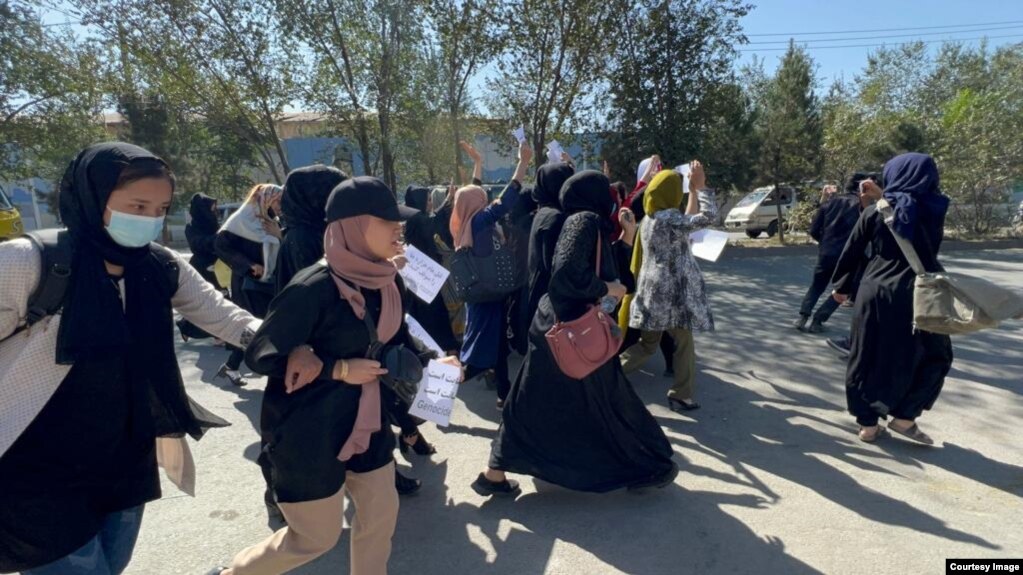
x,y
820,23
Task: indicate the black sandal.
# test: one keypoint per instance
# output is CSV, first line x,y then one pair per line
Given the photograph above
x,y
420,447
406,485
236,380
486,487
678,405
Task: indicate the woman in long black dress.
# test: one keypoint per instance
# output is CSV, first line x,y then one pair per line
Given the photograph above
x,y
546,228
201,232
894,370
420,232
593,434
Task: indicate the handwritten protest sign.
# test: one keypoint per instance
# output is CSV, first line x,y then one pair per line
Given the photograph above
x,y
423,276
708,244
436,396
419,333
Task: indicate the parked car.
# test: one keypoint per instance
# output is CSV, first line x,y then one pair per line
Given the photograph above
x,y
10,219
758,211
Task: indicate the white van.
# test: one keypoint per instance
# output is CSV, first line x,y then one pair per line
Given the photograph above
x,y
758,211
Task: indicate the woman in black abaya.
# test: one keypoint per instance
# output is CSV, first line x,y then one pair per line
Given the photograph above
x,y
419,232
593,434
893,369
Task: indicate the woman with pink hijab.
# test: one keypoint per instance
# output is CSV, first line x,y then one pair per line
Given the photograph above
x,y
474,226
323,422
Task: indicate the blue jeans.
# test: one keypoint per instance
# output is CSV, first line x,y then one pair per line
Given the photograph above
x,y
108,553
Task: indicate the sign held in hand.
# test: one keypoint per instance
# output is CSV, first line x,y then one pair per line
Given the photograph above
x,y
419,333
520,134
554,152
708,244
436,396
423,276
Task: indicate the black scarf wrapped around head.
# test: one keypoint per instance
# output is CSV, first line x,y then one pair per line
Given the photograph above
x,y
203,218
589,191
94,322
304,200
549,179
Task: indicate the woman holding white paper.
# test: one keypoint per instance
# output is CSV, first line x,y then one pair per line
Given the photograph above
x,y
420,232
323,415
671,295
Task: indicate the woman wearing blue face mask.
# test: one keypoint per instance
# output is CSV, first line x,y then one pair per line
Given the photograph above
x,y
91,394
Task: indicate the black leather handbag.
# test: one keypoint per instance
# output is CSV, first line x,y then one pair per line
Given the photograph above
x,y
484,279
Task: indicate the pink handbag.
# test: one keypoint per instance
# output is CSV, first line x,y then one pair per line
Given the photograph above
x,y
583,345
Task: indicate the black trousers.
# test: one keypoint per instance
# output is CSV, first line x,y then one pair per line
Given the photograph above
x,y
820,284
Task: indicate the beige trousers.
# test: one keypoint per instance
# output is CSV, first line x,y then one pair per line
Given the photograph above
x,y
684,359
314,527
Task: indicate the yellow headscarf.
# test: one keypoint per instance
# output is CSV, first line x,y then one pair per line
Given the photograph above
x,y
663,193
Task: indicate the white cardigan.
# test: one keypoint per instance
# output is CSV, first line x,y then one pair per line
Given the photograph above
x,y
29,374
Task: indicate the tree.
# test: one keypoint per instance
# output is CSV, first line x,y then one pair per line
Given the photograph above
x,y
663,67
789,125
730,146
547,78
467,36
360,58
51,95
224,58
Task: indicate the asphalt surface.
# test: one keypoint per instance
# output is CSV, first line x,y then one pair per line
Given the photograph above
x,y
773,477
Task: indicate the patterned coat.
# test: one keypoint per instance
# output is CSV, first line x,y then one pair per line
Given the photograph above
x,y
670,290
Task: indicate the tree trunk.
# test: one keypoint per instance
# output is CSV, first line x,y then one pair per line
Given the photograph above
x,y
456,133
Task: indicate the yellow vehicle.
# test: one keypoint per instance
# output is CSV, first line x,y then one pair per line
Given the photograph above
x,y
10,219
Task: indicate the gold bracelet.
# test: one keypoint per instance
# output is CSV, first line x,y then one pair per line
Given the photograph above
x,y
344,369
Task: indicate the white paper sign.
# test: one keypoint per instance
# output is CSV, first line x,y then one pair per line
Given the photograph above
x,y
423,276
684,170
708,244
436,396
419,333
554,152
520,134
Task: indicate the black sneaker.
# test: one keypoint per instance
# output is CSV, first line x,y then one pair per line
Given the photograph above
x,y
815,327
487,488
800,323
840,345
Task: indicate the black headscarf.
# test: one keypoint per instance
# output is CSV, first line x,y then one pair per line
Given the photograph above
x,y
304,199
417,197
94,323
549,179
589,191
911,186
92,320
204,219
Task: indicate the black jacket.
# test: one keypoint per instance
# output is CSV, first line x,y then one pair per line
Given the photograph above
x,y
834,222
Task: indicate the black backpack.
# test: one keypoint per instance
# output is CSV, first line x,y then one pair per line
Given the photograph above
x,y
54,247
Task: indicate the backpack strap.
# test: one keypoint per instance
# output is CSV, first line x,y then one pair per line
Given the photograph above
x,y
54,247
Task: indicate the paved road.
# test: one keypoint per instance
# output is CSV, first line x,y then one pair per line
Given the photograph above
x,y
774,479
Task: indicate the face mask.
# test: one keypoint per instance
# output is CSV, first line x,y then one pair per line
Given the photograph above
x,y
133,231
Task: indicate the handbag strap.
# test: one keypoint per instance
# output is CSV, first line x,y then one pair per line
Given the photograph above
x,y
905,245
